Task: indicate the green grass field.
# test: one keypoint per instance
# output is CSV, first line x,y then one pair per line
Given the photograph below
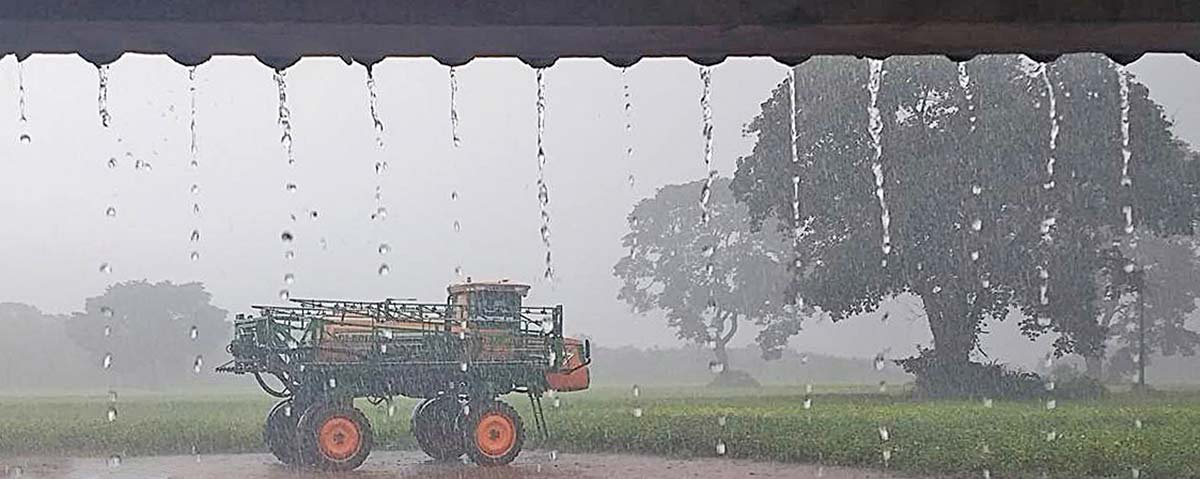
x,y
1159,435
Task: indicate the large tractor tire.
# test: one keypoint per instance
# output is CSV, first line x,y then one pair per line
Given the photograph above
x,y
334,438
435,426
279,433
493,433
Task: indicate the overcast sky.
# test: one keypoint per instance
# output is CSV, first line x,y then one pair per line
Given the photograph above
x,y
54,191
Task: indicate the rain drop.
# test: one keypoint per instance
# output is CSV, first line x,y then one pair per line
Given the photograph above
x,y
193,333
883,434
106,311
114,461
720,448
1051,404
195,256
112,162
105,268
384,270
384,248
195,236
284,294
987,403
557,401
637,391
112,412
197,364
286,237
289,278
637,412
289,255
108,360
880,362
290,187
110,212
716,367
25,138
332,383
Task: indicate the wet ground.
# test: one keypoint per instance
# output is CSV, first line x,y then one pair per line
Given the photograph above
x,y
411,464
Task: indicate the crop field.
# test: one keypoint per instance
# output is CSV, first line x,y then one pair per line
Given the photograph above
x,y
1121,436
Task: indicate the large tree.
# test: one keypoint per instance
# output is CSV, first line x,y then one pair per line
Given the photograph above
x,y
710,278
154,332
983,214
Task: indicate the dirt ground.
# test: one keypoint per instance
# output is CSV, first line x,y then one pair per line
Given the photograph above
x,y
411,464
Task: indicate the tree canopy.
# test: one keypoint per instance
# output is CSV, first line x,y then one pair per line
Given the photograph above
x,y
993,202
668,268
154,332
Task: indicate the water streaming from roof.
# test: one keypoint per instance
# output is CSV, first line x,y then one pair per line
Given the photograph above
x,y
628,113
284,120
380,168
454,107
1126,153
875,128
194,163
543,191
23,136
793,135
1050,220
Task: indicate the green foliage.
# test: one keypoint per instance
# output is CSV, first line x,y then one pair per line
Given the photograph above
x,y
952,379
944,438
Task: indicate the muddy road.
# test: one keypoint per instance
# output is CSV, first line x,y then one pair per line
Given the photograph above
x,y
412,464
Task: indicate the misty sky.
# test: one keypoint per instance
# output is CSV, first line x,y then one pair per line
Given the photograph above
x,y
54,191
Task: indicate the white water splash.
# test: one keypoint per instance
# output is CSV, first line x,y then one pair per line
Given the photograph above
x,y
1126,153
875,128
542,190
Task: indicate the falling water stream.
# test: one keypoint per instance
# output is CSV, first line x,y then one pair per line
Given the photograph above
x,y
964,82
628,113
285,140
792,137
875,128
194,163
23,137
543,191
110,212
1126,153
380,170
456,142
1051,219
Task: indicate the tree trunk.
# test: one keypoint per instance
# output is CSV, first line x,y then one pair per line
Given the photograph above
x,y
954,329
1094,366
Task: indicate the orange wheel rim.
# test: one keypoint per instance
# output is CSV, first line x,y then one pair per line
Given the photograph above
x,y
339,438
495,435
